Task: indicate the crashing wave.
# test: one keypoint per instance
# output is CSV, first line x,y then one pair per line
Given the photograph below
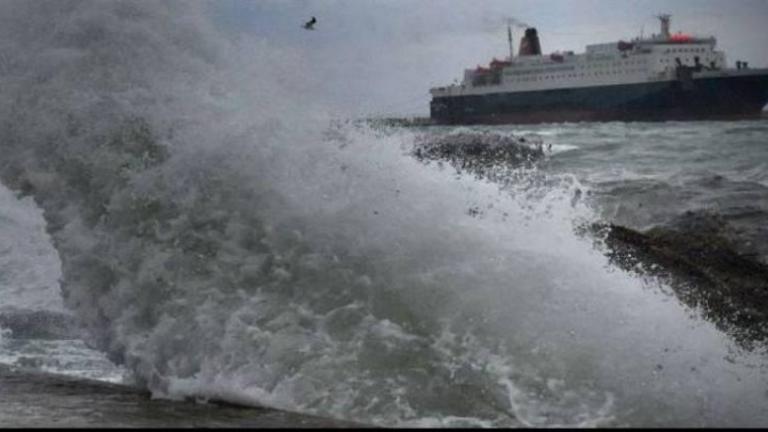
x,y
221,238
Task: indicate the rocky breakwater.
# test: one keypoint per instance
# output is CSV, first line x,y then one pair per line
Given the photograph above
x,y
707,270
704,261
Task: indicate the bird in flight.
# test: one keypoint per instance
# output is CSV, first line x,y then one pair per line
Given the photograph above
x,y
310,25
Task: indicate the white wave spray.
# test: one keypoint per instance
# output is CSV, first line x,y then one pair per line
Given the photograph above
x,y
220,239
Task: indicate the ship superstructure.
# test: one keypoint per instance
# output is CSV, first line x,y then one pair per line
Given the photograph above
x,y
665,76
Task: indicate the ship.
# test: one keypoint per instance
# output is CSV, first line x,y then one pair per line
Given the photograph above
x,y
662,77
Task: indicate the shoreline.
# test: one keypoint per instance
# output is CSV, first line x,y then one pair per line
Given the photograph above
x,y
39,399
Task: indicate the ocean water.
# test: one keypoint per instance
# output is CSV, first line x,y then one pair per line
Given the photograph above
x,y
170,222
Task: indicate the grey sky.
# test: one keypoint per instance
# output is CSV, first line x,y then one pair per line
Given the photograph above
x,y
381,56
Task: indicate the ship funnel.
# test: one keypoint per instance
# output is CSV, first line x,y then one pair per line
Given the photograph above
x,y
664,19
529,44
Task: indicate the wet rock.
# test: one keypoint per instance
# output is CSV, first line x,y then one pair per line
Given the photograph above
x,y
705,270
486,155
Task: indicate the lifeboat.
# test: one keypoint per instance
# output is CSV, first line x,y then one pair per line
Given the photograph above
x,y
681,38
498,64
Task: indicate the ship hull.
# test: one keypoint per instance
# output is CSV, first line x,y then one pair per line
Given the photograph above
x,y
738,96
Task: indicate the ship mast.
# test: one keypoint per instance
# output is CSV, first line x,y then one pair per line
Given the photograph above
x,y
509,38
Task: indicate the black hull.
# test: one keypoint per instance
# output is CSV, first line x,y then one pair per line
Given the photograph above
x,y
731,97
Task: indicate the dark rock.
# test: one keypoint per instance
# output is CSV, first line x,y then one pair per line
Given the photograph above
x,y
705,271
485,155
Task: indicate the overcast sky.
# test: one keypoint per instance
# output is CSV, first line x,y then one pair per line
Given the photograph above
x,y
375,57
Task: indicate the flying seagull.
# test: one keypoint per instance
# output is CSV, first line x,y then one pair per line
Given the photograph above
x,y
310,25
